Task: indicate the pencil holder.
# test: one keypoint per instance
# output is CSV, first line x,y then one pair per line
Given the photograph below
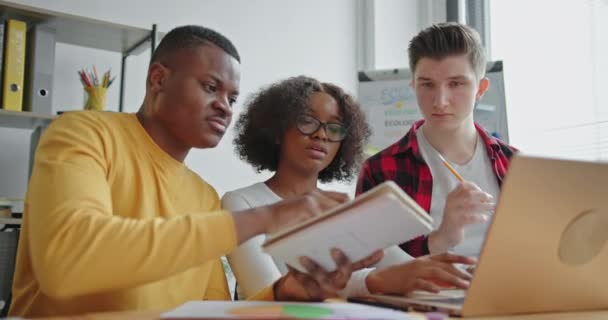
x,y
95,98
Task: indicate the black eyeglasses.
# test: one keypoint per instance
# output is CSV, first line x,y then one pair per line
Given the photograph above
x,y
308,125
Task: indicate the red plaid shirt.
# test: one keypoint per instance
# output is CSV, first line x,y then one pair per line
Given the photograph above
x,y
403,163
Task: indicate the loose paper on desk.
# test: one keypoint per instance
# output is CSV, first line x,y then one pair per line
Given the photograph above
x,y
382,217
280,310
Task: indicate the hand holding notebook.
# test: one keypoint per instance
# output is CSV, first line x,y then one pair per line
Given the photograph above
x,y
379,218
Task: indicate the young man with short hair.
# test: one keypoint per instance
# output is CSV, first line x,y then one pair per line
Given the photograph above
x,y
448,65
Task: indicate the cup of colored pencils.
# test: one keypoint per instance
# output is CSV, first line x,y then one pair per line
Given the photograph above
x,y
95,88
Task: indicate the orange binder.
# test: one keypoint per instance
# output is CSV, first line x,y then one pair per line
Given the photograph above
x,y
14,65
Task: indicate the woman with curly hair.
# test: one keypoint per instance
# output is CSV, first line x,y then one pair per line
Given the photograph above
x,y
306,131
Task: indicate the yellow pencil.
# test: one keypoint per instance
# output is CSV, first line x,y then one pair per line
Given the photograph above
x,y
452,170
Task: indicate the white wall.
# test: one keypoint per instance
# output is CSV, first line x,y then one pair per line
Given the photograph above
x,y
396,22
555,85
276,39
393,24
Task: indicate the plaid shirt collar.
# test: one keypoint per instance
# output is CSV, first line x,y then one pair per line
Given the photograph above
x,y
409,143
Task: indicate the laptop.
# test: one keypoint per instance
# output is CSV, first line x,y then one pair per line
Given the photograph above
x,y
545,251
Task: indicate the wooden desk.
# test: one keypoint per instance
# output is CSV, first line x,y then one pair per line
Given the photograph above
x,y
133,315
594,315
152,315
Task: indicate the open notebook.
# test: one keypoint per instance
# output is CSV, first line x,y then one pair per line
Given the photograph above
x,y
377,219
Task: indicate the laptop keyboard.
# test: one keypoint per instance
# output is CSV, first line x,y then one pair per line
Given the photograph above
x,y
454,301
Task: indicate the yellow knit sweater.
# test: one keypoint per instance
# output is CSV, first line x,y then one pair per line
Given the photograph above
x,y
112,222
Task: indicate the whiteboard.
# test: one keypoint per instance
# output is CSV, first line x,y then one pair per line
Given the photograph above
x,y
390,105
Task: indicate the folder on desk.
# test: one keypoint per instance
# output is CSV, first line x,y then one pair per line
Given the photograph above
x,y
14,65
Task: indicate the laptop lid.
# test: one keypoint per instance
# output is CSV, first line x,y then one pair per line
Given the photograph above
x,y
546,248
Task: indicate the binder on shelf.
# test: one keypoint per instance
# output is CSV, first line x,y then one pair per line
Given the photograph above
x,y
39,70
2,28
14,65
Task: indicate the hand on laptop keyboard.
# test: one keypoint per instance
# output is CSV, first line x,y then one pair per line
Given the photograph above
x,y
428,273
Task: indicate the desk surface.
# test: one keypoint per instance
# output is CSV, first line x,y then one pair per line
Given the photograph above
x,y
151,315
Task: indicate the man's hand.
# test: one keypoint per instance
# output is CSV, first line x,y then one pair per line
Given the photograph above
x,y
428,273
318,284
465,205
268,219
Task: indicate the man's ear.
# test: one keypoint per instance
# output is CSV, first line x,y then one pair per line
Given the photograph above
x,y
157,76
484,85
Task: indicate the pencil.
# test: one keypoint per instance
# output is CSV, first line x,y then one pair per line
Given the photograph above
x,y
111,80
452,170
96,75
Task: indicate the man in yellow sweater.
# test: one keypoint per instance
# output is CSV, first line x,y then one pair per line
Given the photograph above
x,y
113,218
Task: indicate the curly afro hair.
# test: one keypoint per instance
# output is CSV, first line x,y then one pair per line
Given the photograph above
x,y
274,109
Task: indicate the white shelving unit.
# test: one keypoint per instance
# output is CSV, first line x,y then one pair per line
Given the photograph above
x,y
87,32
79,31
23,120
